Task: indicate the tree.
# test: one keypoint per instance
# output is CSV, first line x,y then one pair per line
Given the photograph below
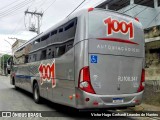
x,y
3,63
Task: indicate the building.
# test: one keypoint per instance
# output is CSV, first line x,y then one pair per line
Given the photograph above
x,y
17,44
148,13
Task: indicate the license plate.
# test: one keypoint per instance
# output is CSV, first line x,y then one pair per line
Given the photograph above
x,y
118,100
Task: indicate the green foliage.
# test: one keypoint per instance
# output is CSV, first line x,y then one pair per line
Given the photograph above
x,y
4,59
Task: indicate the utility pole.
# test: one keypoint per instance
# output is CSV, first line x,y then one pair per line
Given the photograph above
x,y
38,15
8,42
13,38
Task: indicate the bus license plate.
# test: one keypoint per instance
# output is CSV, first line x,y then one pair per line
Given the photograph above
x,y
118,100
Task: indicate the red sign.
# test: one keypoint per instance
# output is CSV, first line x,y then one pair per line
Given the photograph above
x,y
47,73
115,26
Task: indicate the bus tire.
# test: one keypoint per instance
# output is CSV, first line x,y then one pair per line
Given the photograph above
x,y
13,82
16,87
36,94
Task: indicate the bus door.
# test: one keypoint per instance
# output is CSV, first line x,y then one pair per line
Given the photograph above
x,y
116,53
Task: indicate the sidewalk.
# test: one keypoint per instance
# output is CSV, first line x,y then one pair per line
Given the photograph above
x,y
145,107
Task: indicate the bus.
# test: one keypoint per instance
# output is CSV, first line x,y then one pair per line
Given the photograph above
x,y
91,59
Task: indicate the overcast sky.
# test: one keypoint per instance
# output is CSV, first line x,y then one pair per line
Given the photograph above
x,y
13,20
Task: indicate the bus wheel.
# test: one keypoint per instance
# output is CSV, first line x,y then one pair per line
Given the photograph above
x,y
13,82
16,87
36,94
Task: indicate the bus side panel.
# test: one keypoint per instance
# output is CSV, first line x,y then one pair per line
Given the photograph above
x,y
64,91
81,60
24,73
64,77
20,77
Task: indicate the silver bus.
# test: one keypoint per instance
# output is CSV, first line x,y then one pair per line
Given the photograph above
x,y
92,59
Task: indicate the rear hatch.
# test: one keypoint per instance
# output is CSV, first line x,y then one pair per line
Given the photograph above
x,y
116,53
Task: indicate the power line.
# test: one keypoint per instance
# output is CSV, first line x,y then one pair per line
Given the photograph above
x,y
14,30
15,7
42,3
32,3
46,9
49,6
83,4
10,11
36,3
9,5
76,8
15,12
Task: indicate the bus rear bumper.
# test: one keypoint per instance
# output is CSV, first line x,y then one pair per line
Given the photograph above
x,y
87,100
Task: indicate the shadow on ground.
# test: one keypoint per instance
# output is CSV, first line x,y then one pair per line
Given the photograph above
x,y
65,111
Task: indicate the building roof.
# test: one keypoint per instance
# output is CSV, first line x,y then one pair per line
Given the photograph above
x,y
17,41
119,4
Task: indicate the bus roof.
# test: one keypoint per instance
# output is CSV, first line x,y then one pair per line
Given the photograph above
x,y
76,14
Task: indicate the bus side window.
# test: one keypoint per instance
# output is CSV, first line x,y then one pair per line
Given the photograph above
x,y
53,54
45,37
49,53
34,57
43,55
69,26
29,58
60,30
69,45
53,32
26,59
37,41
60,50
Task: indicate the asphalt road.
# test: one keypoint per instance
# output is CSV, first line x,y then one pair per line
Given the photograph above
x,y
19,100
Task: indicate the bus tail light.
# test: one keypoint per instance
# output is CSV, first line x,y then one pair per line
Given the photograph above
x,y
90,9
136,19
84,82
142,83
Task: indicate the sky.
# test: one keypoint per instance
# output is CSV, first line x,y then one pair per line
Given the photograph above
x,y
14,23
